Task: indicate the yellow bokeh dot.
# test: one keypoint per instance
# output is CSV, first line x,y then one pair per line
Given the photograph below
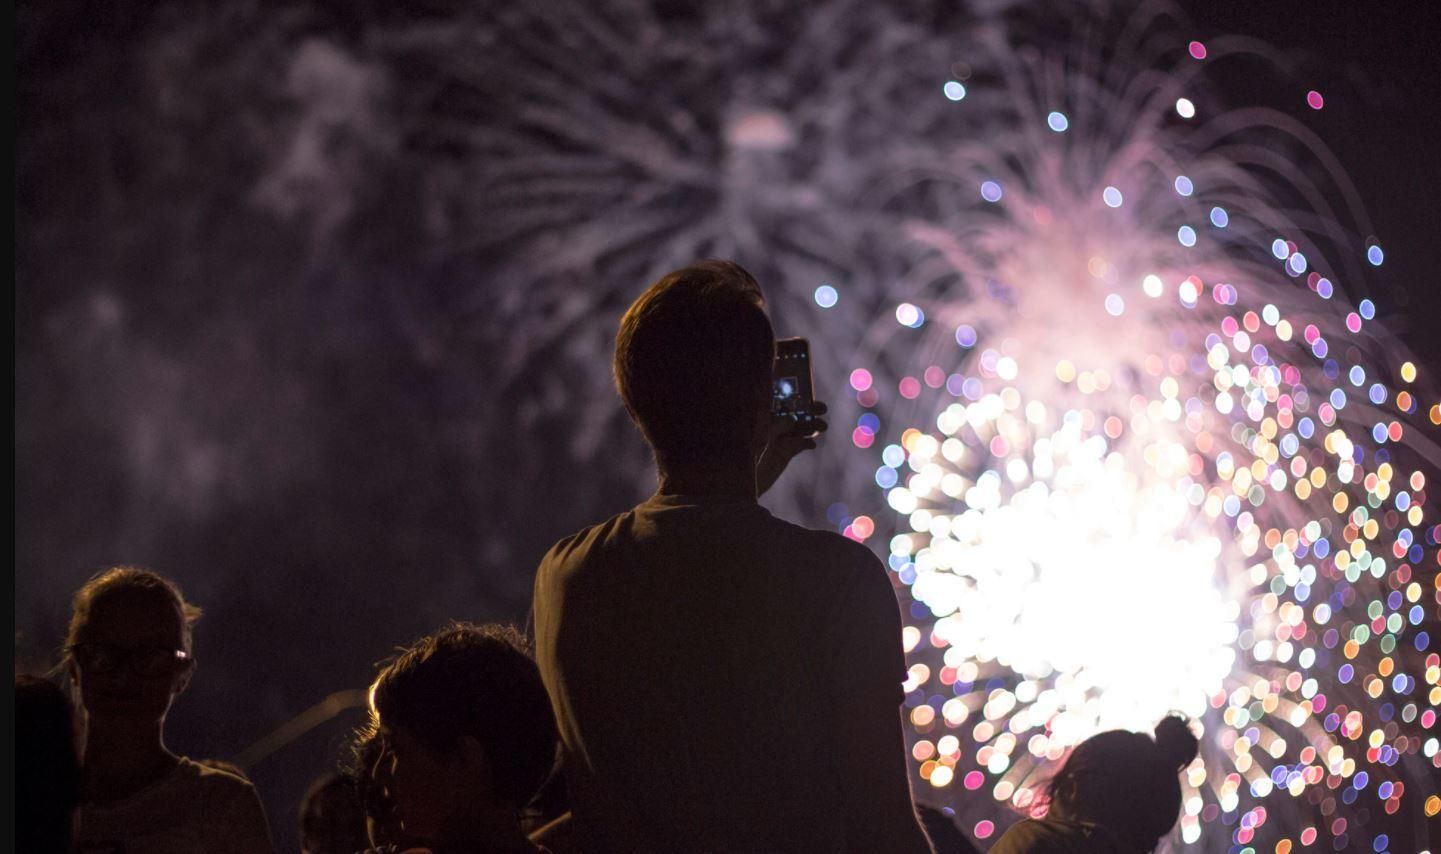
x,y
1408,372
1433,805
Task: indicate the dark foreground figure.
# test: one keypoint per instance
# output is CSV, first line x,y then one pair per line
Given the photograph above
x,y
461,739
130,654
723,680
47,770
1118,793
332,817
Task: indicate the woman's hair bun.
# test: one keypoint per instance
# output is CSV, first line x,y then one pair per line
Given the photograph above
x,y
1175,742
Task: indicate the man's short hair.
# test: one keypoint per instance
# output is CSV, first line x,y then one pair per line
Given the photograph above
x,y
478,681
693,360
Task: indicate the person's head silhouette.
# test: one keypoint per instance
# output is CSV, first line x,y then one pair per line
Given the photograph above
x,y
128,650
1126,782
332,817
465,736
693,363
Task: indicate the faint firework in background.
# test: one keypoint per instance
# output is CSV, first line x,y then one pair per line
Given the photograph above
x,y
1108,412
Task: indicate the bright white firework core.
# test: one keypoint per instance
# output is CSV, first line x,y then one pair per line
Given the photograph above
x,y
1075,571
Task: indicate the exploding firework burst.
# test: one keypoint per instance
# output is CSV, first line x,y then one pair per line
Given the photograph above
x,y
1144,460
1137,450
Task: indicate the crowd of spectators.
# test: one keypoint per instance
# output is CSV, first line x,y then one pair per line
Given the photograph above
x,y
701,676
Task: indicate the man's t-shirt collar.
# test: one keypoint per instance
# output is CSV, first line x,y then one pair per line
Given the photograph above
x,y
688,500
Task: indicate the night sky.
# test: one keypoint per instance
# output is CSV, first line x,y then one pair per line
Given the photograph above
x,y
285,386
1377,68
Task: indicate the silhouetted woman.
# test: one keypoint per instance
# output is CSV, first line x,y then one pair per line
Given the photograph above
x,y
129,654
1118,792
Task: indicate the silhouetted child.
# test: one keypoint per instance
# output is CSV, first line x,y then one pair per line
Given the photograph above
x,y
129,655
332,817
47,769
464,739
1118,792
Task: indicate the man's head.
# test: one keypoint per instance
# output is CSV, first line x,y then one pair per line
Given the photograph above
x,y
464,719
693,362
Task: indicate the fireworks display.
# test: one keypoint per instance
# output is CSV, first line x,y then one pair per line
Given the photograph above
x,y
1125,441
1140,453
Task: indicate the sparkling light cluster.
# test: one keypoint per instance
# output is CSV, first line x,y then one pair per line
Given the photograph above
x,y
1068,578
1039,551
1162,466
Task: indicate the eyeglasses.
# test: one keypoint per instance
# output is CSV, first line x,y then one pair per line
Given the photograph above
x,y
142,661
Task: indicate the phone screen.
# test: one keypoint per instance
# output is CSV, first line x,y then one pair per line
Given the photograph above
x,y
793,393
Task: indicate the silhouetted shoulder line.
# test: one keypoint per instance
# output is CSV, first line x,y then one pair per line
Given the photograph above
x,y
216,781
835,549
591,533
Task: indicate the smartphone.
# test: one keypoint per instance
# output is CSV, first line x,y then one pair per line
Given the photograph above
x,y
793,396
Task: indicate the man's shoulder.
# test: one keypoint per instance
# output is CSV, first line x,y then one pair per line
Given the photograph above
x,y
568,547
833,548
1040,836
826,551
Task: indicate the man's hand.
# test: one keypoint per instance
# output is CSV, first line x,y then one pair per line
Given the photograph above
x,y
784,444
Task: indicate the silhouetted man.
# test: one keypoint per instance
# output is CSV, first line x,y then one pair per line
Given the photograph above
x,y
723,680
